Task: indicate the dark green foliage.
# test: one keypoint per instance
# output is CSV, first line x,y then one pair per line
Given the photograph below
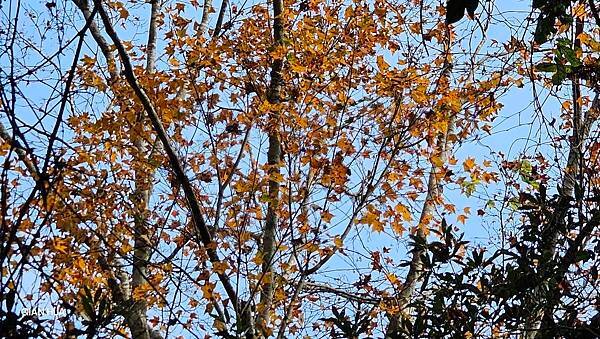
x,y
510,285
98,317
550,10
455,9
347,327
565,62
471,6
14,325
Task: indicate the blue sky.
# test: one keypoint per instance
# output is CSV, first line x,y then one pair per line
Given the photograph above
x,y
515,130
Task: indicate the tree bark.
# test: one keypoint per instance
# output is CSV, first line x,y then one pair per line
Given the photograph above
x,y
200,228
570,189
273,161
415,272
434,191
137,319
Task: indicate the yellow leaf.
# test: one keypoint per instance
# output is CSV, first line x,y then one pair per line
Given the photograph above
x,y
381,64
469,164
174,62
258,213
60,245
392,278
296,68
123,13
88,61
220,267
404,212
280,294
377,226
412,195
326,216
424,224
258,260
66,224
219,325
277,177
419,94
80,264
207,290
139,293
437,161
415,27
398,228
587,40
579,11
441,126
371,218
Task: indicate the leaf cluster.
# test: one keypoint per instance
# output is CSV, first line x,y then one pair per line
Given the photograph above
x,y
488,293
550,11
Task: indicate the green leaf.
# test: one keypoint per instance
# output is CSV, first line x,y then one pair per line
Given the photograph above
x,y
545,28
559,76
539,3
88,309
583,256
564,51
546,67
525,168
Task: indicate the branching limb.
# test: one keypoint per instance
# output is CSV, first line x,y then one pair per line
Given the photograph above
x,y
200,227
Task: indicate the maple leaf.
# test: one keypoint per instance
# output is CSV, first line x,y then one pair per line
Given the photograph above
x,y
208,290
220,267
469,164
404,212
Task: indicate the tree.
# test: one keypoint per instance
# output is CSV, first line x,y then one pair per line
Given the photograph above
x,y
175,170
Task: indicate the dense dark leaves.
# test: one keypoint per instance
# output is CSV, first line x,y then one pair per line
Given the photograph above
x,y
455,9
565,63
550,11
13,325
345,326
499,287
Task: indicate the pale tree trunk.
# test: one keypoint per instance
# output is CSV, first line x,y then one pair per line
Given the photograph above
x,y
105,48
137,318
542,305
199,228
269,231
570,189
433,197
434,192
207,8
21,152
121,284
416,271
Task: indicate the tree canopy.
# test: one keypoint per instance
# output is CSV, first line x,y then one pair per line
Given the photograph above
x,y
299,169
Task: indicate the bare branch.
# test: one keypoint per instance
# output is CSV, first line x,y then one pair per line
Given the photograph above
x,y
203,234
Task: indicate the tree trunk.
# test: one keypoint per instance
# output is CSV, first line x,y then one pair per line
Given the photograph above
x,y
415,272
541,305
273,160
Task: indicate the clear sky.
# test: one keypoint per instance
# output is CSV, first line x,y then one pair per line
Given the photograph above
x,y
519,129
